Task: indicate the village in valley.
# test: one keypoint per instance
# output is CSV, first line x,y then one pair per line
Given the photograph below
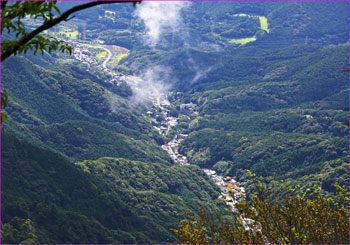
x,y
231,190
96,58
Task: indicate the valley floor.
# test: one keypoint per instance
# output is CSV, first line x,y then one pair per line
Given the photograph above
x,y
231,190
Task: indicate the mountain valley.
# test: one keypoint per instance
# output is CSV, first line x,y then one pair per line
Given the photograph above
x,y
114,143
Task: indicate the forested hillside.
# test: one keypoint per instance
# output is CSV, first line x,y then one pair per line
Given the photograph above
x,y
275,109
75,116
108,145
47,199
285,123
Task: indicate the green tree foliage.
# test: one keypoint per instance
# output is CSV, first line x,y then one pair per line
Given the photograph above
x,y
106,201
12,16
4,99
19,231
278,112
209,229
273,110
20,39
309,218
346,109
95,122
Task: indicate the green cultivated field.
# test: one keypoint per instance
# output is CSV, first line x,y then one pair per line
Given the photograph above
x,y
263,26
243,41
102,54
263,23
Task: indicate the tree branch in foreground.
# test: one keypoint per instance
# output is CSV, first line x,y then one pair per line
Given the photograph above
x,y
51,23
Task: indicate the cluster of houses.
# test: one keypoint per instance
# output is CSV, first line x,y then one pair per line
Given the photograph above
x,y
165,125
231,193
231,190
172,148
187,108
160,101
83,53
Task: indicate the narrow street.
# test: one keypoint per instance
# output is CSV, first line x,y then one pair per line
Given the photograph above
x,y
108,57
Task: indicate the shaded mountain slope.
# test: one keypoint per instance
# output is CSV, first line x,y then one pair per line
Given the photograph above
x,y
79,118
47,199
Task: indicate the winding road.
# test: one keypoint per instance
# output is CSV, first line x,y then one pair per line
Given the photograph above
x,y
108,57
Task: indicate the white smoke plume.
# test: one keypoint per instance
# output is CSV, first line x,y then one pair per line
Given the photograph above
x,y
160,18
200,74
152,82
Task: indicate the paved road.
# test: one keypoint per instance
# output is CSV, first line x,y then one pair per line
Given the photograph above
x,y
108,57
